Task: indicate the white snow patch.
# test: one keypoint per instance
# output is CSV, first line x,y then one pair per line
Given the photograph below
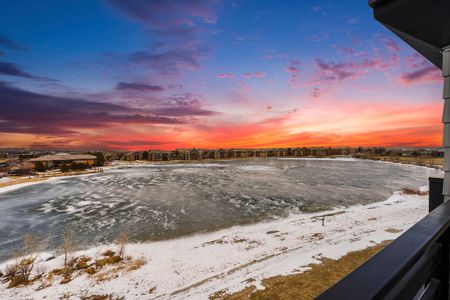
x,y
5,179
256,168
324,159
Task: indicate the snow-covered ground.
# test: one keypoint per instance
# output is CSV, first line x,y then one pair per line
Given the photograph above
x,y
196,266
5,179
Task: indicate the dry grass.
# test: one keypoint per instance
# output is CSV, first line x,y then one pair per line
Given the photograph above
x,y
108,260
393,230
409,191
18,180
272,231
308,284
124,266
102,297
420,161
24,271
136,264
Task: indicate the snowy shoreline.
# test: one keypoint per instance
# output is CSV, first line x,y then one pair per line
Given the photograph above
x,y
194,267
13,187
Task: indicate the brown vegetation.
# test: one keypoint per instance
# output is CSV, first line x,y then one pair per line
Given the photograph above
x,y
20,273
17,180
272,231
410,191
102,297
431,162
393,230
127,265
306,285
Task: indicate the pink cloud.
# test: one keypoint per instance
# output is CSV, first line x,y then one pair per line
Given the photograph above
x,y
330,71
360,63
291,69
294,75
420,71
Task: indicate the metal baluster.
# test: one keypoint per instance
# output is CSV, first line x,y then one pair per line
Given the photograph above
x,y
446,121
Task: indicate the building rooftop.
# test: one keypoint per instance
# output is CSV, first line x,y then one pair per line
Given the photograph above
x,y
63,156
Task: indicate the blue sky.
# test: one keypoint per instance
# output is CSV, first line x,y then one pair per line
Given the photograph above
x,y
167,74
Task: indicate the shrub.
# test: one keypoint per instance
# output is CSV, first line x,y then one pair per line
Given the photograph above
x,y
82,263
78,166
64,168
20,272
109,253
90,271
109,260
40,167
145,155
100,161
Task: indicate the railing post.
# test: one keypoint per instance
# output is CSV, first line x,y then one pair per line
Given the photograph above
x,y
435,197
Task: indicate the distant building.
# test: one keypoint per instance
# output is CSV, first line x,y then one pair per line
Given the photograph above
x,y
112,155
131,156
160,155
5,165
53,161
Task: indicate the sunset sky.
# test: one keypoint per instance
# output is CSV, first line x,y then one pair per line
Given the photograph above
x,y
235,73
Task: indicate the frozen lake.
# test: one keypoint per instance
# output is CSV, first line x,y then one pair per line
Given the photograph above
x,y
155,202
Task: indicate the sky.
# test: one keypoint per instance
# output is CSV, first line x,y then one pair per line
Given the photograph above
x,y
138,75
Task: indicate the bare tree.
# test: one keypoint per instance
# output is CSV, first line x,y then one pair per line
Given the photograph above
x,y
68,246
122,241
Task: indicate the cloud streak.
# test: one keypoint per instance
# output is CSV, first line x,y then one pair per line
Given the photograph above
x,y
139,86
254,74
27,112
225,75
166,15
420,71
10,44
13,70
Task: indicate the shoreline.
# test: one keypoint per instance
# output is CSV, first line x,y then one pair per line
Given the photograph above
x,y
13,185
231,259
21,182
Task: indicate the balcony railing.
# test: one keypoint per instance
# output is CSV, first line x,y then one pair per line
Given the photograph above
x,y
414,266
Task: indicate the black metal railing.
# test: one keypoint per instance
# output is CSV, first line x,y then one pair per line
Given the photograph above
x,y
414,266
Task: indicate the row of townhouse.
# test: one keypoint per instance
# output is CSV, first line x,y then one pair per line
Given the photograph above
x,y
198,154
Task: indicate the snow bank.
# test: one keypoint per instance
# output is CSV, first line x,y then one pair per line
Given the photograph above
x,y
196,266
